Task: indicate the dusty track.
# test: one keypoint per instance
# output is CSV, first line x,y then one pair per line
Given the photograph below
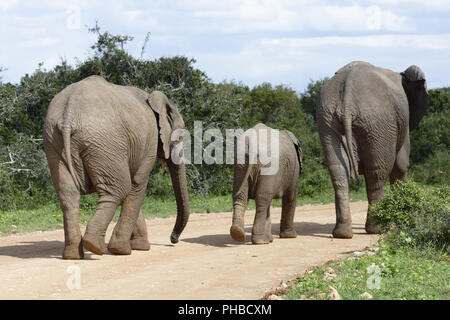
x,y
205,264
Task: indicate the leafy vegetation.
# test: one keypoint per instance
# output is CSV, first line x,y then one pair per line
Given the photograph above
x,y
384,275
24,176
25,182
411,261
415,216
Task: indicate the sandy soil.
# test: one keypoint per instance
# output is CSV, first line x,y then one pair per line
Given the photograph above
x,y
205,264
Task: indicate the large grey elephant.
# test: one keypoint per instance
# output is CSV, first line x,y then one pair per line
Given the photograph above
x,y
104,138
364,115
250,182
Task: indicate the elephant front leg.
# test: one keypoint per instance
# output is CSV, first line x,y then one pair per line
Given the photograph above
x,y
139,237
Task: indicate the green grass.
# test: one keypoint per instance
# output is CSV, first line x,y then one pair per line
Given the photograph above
x,y
49,217
404,275
413,258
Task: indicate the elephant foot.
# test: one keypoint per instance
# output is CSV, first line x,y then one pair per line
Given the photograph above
x,y
343,231
73,252
288,233
141,244
237,233
372,228
95,244
260,239
117,246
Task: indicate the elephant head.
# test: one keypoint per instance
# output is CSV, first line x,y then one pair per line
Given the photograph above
x,y
415,86
169,119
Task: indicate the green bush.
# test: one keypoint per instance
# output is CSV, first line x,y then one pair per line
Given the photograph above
x,y
88,203
434,170
430,142
26,182
414,216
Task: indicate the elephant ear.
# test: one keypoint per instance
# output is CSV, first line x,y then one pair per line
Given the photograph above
x,y
415,86
169,119
298,147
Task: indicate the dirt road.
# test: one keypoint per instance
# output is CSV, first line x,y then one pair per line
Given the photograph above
x,y
205,264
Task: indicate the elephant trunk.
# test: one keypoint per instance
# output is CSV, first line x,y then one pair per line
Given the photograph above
x,y
178,175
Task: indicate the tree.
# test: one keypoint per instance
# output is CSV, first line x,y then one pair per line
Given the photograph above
x,y
309,96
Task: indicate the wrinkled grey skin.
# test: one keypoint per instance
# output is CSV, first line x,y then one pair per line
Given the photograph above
x,y
364,115
104,138
248,183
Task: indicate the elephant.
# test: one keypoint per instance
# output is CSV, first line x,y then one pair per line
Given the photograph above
x,y
364,115
249,182
104,138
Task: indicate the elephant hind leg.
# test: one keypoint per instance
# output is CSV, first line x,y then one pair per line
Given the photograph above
x,y
287,229
237,228
120,242
268,231
340,179
94,237
339,167
139,237
379,166
397,174
375,181
262,230
130,231
69,198
112,190
400,170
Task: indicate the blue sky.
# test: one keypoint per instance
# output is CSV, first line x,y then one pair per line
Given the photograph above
x,y
283,42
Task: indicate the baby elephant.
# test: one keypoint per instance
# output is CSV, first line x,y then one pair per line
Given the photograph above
x,y
267,165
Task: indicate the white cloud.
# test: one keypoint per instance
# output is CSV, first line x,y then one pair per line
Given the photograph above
x,y
284,41
6,4
131,15
39,42
425,5
413,41
291,16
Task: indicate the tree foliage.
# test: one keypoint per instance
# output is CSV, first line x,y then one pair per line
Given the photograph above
x,y
430,142
24,175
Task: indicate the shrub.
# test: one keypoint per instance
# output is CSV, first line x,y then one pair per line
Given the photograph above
x,y
414,216
434,170
25,180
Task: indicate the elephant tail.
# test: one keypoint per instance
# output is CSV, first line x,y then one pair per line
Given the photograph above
x,y
348,144
66,131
